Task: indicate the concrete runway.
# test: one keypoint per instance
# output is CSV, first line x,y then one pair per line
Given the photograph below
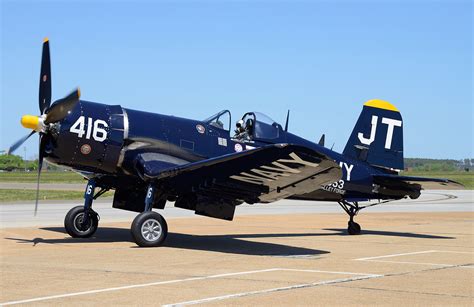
x,y
417,252
20,214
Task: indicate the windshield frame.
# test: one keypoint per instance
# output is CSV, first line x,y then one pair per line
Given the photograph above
x,y
211,118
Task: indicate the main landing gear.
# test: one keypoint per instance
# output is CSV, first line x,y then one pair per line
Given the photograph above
x,y
149,228
351,209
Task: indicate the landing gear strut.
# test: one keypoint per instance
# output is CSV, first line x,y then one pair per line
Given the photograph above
x,y
351,209
82,221
149,228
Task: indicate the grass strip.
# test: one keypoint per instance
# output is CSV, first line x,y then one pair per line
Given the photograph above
x,y
22,195
465,178
46,177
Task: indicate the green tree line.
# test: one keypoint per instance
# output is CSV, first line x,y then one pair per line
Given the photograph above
x,y
13,162
438,165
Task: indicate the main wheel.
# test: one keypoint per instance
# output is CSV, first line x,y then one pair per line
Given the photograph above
x,y
74,226
149,229
353,228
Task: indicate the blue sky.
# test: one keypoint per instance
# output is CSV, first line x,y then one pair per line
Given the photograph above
x,y
321,59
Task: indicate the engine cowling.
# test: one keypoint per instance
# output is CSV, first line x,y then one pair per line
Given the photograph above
x,y
90,138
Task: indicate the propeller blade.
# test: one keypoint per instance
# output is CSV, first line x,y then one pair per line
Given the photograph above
x,y
45,79
19,142
61,107
40,166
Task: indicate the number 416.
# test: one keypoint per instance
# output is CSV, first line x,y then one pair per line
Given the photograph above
x,y
96,129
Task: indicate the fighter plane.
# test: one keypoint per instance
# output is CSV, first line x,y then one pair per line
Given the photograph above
x,y
150,159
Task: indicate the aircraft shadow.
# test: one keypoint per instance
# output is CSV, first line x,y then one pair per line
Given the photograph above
x,y
392,234
231,244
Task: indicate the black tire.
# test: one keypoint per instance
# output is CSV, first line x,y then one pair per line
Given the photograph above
x,y
149,229
73,223
353,228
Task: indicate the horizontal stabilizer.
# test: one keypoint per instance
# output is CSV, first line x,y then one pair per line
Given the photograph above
x,y
425,183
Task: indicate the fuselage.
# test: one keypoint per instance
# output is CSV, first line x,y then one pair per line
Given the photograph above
x,y
105,139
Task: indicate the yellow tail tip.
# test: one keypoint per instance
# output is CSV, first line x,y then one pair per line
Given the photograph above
x,y
78,92
30,121
381,104
45,40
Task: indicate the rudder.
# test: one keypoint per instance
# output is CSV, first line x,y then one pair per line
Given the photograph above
x,y
377,137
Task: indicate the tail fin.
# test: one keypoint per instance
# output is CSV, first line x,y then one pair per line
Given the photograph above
x,y
378,136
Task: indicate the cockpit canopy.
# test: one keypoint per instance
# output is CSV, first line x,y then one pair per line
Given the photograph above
x,y
260,126
256,125
220,120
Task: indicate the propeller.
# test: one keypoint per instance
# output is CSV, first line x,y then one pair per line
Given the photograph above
x,y
44,96
50,114
19,142
40,166
61,107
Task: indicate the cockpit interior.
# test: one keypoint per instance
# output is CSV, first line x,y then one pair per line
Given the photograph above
x,y
252,126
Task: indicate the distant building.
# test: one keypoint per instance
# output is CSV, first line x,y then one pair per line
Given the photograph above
x,y
465,164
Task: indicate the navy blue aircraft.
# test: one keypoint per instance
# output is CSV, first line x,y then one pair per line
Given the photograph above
x,y
204,166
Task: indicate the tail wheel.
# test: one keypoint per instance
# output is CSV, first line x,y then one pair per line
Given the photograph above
x,y
75,226
149,229
353,228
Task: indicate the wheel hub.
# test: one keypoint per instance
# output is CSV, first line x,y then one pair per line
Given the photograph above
x,y
151,230
79,225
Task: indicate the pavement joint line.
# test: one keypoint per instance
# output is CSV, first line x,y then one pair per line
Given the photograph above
x,y
455,252
363,276
396,255
410,262
298,286
328,272
44,298
401,291
467,266
374,259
